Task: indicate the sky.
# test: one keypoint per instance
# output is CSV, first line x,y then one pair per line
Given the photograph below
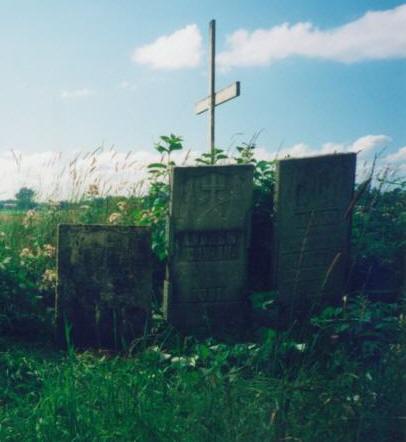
x,y
316,77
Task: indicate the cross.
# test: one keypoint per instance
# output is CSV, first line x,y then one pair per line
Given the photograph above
x,y
215,98
213,187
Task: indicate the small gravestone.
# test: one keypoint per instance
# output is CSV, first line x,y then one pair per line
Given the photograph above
x,y
104,284
312,232
209,226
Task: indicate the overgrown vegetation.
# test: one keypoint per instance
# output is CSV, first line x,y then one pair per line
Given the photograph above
x,y
342,380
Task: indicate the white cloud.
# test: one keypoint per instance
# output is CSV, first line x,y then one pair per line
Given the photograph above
x,y
76,93
397,162
399,156
56,175
182,49
376,35
367,147
370,144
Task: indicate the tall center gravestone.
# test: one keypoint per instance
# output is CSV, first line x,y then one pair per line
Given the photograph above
x,y
104,284
312,230
209,226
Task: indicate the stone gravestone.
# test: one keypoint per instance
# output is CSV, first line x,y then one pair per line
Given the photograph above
x,y
104,284
209,225
403,288
312,230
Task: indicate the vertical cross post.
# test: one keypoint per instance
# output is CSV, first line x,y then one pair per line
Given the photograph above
x,y
212,87
214,98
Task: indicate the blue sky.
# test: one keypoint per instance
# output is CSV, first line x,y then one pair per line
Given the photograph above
x,y
316,76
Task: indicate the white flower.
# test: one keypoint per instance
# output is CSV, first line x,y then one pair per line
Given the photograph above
x,y
114,217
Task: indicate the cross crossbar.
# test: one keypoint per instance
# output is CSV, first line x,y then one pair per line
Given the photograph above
x,y
223,95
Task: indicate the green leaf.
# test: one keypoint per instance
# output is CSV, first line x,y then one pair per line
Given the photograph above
x,y
161,149
204,351
156,165
176,146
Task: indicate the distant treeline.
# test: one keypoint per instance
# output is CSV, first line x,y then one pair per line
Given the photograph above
x,y
93,202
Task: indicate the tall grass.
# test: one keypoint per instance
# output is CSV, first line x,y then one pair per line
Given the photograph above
x,y
344,380
198,392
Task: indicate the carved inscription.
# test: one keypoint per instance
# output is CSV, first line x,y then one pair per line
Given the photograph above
x,y
217,245
319,237
312,225
208,194
213,195
104,283
212,189
208,232
317,218
319,240
208,294
98,259
320,182
307,259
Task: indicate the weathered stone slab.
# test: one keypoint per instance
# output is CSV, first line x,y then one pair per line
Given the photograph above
x,y
312,230
403,287
209,226
104,284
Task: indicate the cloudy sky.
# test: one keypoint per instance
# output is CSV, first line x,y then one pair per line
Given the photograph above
x,y
316,76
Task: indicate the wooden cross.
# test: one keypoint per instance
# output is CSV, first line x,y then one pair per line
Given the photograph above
x,y
215,98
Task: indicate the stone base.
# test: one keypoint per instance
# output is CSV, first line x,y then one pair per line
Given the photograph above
x,y
213,319
113,329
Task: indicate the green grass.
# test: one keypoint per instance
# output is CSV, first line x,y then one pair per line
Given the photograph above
x,y
346,381
199,392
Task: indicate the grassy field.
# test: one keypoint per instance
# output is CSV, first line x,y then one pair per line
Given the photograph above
x,y
344,381
203,391
340,377
8,215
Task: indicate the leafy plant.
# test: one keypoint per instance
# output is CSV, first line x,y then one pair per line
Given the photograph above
x,y
378,241
246,153
262,215
365,329
207,160
159,172
155,210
